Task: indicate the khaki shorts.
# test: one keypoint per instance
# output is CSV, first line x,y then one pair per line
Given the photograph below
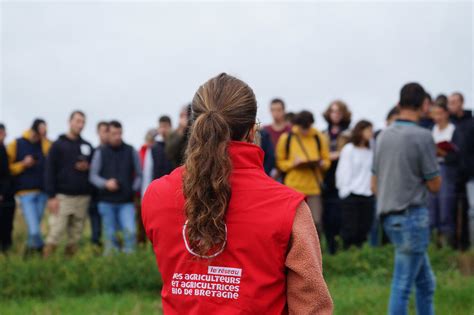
x,y
70,218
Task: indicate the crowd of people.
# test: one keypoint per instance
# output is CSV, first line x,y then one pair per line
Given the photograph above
x,y
332,168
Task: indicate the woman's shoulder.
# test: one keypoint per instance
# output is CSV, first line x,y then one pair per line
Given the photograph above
x,y
348,147
166,183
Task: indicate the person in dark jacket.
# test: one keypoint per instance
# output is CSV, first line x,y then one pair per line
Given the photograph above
x,y
7,200
177,141
26,158
458,114
154,163
461,118
338,116
468,170
116,172
269,161
426,121
67,185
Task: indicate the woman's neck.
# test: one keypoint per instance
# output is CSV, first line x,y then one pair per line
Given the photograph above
x,y
279,125
443,125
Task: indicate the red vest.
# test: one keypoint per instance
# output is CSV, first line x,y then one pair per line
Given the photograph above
x,y
249,276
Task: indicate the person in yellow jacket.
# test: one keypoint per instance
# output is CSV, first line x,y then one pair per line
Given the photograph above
x,y
26,158
303,156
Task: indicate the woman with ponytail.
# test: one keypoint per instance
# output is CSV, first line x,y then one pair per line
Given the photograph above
x,y
227,238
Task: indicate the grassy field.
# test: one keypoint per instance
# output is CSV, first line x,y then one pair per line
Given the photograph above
x,y
359,281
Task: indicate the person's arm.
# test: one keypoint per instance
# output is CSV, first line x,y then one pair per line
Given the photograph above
x,y
429,164
94,176
307,292
16,167
325,154
434,184
50,171
373,184
283,162
454,157
137,181
373,180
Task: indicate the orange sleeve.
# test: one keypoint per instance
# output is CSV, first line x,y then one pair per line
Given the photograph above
x,y
307,292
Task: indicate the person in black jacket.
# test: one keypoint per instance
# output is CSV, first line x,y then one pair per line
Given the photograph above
x,y
177,141
461,118
266,144
7,200
116,172
468,170
67,185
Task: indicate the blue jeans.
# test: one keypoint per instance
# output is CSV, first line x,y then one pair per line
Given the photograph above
x,y
410,233
115,217
33,205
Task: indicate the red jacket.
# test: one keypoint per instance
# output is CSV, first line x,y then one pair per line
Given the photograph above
x,y
248,277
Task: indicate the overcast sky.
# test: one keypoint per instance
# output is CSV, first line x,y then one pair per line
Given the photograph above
x,y
136,61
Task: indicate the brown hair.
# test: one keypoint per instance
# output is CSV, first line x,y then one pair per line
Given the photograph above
x,y
223,109
278,101
356,135
458,94
346,113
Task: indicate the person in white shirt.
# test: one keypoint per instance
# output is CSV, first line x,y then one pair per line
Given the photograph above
x,y
442,205
353,175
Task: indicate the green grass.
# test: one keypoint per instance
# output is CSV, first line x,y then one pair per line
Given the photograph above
x,y
107,303
352,295
359,282
358,295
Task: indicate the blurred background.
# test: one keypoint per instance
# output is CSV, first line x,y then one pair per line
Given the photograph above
x,y
134,61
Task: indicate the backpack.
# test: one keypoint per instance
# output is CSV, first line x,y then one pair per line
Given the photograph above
x,y
287,152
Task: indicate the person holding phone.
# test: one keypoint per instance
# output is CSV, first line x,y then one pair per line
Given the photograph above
x,y
303,154
67,185
26,157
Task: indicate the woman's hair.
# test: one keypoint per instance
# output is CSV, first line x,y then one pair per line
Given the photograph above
x,y
346,113
395,111
442,99
223,109
304,119
441,103
357,137
37,123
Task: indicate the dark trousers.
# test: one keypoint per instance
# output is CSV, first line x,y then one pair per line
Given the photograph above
x,y
357,219
141,235
7,214
442,205
331,220
96,223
